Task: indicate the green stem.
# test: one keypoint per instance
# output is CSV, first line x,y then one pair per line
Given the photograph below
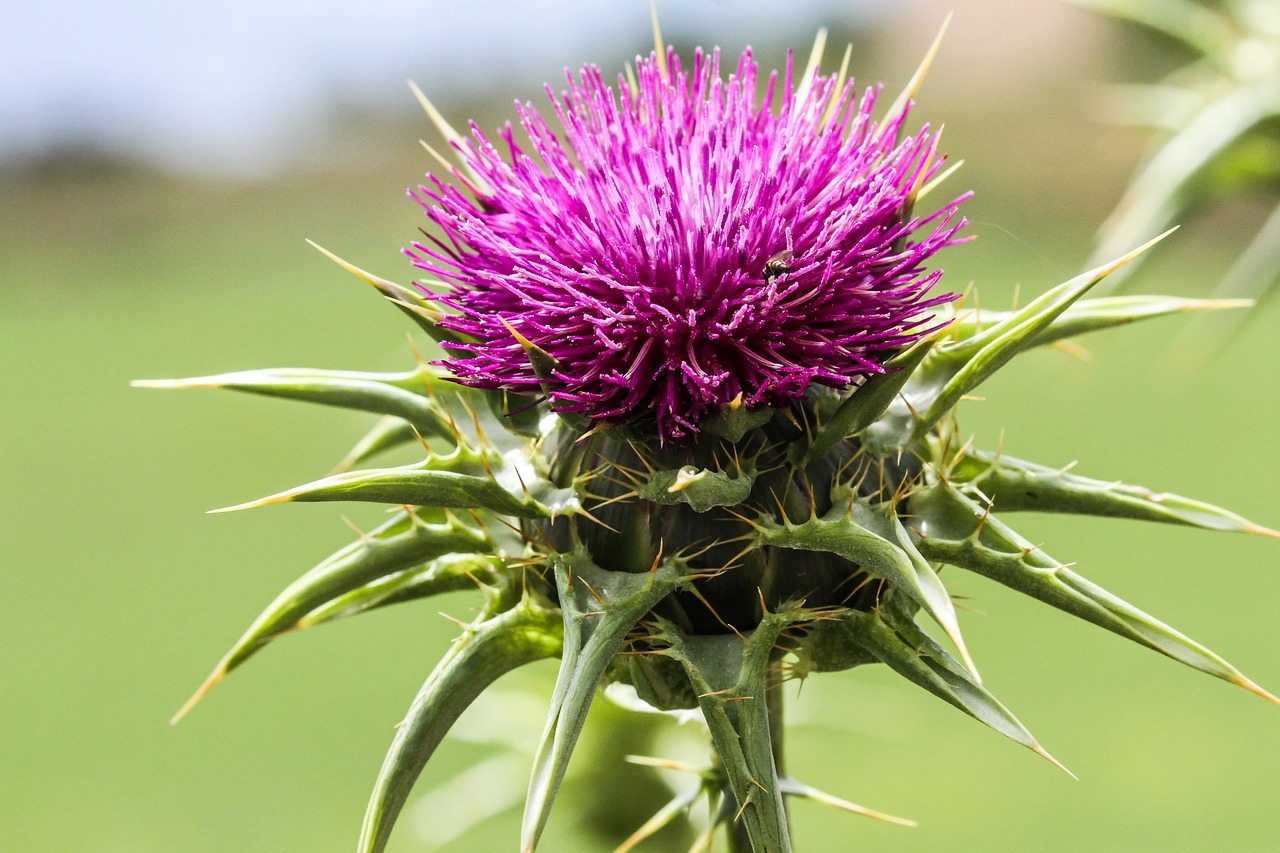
x,y
774,703
739,840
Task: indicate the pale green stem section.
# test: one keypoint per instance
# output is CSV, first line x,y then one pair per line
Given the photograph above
x,y
739,840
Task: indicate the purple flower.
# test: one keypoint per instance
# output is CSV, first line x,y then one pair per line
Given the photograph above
x,y
684,242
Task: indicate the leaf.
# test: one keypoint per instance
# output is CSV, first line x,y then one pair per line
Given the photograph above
x,y
1091,315
402,542
520,414
955,530
600,608
464,478
1169,178
487,650
893,638
955,369
380,393
700,488
443,574
387,433
871,537
1197,27
1013,484
731,674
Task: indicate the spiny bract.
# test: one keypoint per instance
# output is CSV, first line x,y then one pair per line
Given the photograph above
x,y
697,411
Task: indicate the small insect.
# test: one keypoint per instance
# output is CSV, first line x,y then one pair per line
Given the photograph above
x,y
779,264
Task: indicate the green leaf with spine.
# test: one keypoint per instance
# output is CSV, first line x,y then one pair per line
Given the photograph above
x,y
776,544
730,674
511,631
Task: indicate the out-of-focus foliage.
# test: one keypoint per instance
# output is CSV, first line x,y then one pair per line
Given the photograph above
x,y
1216,123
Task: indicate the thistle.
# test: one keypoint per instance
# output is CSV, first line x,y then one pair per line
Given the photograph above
x,y
693,430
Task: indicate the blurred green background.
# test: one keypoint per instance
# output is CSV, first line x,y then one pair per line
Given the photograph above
x,y
118,594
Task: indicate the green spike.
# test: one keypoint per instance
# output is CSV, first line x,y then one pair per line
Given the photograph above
x,y
380,393
387,433
892,637
487,650
678,804
793,788
962,534
700,488
731,675
871,536
967,363
443,574
464,479
402,542
908,94
1014,484
600,608
733,420
410,301
1091,315
953,370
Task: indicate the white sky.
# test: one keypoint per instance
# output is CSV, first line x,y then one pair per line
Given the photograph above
x,y
233,84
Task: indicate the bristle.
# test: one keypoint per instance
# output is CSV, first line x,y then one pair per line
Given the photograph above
x,y
1249,685
917,79
1040,751
442,125
811,67
659,49
216,676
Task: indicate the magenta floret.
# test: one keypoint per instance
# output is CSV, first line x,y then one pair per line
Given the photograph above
x,y
683,242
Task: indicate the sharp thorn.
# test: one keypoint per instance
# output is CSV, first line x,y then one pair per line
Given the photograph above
x,y
1040,751
1107,269
659,49
913,85
1249,685
282,497
217,675
1259,530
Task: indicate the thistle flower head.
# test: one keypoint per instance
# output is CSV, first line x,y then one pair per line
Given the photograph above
x,y
685,241
683,244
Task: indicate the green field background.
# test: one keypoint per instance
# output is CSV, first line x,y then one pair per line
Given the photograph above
x,y
118,594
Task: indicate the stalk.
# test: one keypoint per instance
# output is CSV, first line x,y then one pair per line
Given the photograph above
x,y
739,841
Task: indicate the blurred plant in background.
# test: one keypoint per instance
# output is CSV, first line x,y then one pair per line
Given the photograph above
x,y
690,546
1217,130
